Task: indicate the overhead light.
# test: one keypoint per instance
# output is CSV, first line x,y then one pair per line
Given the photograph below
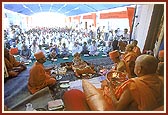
x,y
40,7
67,12
27,8
76,8
50,7
72,10
24,6
62,7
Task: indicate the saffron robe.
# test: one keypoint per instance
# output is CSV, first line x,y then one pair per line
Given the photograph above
x,y
39,78
13,66
137,50
129,59
12,62
147,91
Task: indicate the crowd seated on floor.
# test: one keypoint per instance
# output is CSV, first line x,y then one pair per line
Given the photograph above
x,y
130,67
73,39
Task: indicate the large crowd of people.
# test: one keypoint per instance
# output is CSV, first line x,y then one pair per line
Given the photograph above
x,y
66,40
51,43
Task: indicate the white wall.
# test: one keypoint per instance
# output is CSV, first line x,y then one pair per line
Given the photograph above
x,y
14,18
115,23
48,19
144,13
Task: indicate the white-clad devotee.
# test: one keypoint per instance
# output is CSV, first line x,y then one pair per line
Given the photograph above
x,y
76,48
126,35
93,50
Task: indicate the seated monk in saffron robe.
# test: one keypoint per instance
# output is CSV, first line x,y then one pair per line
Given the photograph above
x,y
39,76
13,66
81,67
136,49
129,58
119,64
119,68
160,69
143,93
122,45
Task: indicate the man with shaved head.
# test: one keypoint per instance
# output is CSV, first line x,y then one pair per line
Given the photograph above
x,y
142,93
145,92
39,75
143,65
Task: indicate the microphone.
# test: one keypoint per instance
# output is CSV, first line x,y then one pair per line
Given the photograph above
x,y
137,24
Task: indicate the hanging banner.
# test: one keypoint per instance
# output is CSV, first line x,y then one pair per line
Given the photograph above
x,y
87,17
94,19
69,19
130,11
77,18
122,14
